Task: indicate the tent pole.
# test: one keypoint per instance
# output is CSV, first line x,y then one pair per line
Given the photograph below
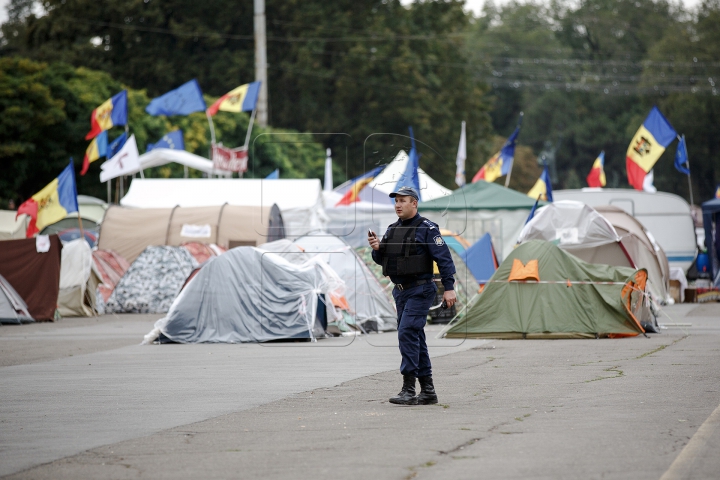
x,y
82,233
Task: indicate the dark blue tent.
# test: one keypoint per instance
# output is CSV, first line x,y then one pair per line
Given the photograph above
x,y
711,221
481,260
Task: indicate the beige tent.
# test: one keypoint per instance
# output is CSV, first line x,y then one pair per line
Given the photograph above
x,y
128,231
10,227
641,246
79,279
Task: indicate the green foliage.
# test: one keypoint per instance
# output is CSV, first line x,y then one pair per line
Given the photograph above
x,y
46,114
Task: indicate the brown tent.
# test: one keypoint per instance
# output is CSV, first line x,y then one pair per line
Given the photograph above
x,y
35,276
128,231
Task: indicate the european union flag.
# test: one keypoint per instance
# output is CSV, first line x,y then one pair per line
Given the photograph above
x,y
681,157
116,145
173,141
184,100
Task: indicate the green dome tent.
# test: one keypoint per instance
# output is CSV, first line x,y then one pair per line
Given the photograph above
x,y
541,291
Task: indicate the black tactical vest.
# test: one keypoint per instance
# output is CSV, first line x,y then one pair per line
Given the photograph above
x,y
399,251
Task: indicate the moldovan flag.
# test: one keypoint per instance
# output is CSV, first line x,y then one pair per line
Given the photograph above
x,y
110,114
542,188
52,203
242,99
97,148
596,177
358,183
500,163
125,162
650,141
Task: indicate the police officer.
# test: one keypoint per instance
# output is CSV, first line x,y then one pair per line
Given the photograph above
x,y
406,253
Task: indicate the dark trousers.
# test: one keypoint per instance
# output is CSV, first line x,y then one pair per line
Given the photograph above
x,y
413,305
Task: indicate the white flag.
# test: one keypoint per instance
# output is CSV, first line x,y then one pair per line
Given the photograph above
x,y
648,182
461,157
125,162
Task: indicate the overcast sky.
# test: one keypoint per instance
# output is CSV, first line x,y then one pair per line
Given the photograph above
x,y
474,5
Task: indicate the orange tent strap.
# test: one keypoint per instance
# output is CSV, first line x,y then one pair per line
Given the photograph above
x,y
520,272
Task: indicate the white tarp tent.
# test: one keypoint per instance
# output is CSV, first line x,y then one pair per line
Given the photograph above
x,y
363,292
10,227
248,295
351,222
79,278
380,187
667,216
300,200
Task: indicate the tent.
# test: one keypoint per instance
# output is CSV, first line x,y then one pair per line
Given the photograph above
x,y
480,208
300,200
364,294
454,241
12,227
641,246
13,310
32,267
711,222
481,260
384,184
79,280
152,282
541,291
582,231
351,222
666,215
112,266
128,231
248,295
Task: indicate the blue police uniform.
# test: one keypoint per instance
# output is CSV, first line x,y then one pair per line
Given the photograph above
x,y
414,294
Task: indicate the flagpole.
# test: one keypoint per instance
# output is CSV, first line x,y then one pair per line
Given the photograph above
x,y
507,178
249,131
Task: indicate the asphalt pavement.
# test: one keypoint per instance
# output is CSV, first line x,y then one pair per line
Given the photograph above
x,y
81,399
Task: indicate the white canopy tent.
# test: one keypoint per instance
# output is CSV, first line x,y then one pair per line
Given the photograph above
x,y
384,184
351,222
11,225
300,200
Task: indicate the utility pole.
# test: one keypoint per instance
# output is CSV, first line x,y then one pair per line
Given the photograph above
x,y
261,62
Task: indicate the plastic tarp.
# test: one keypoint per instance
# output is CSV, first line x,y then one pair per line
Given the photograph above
x,y
129,231
79,279
384,184
573,299
363,292
152,282
248,295
300,200
158,157
667,216
481,260
13,310
11,227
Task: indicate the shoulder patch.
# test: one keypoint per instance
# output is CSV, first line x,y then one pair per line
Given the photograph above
x,y
439,241
431,225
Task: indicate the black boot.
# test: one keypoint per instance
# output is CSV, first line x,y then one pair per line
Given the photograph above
x,y
427,391
407,394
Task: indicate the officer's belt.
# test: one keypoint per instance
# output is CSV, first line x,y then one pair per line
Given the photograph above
x,y
405,286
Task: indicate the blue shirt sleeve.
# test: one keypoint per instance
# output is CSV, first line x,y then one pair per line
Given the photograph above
x,y
440,253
